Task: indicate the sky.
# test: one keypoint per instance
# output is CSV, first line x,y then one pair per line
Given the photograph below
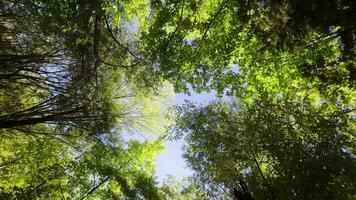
x,y
171,162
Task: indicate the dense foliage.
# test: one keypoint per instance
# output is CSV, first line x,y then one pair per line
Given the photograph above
x,y
285,150
290,131
76,76
291,66
71,81
219,44
181,189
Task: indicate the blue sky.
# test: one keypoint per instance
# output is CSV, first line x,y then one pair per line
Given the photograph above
x,y
171,161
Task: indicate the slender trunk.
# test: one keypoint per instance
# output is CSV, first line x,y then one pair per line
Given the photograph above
x,y
25,122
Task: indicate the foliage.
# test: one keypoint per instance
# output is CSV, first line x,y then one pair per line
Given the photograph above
x,y
223,45
72,80
181,189
62,53
285,150
77,74
45,168
292,70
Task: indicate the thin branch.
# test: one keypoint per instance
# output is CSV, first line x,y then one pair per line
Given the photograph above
x,y
214,18
116,41
4,164
95,188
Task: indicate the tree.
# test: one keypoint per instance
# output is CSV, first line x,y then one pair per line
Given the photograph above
x,y
104,167
282,150
181,189
293,77
60,56
71,81
75,74
218,44
288,67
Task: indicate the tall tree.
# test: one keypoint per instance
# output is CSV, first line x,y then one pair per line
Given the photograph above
x,y
217,44
282,150
71,81
59,57
103,167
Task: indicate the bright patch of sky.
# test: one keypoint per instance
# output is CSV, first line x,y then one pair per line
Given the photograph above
x,y
171,162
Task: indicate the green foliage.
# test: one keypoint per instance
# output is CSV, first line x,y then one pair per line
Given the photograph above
x,y
45,168
72,81
290,67
288,149
75,75
181,189
224,45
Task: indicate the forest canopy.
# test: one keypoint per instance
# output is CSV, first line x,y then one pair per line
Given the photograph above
x,y
76,77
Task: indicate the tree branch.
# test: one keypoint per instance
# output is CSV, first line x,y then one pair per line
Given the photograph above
x,y
93,189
